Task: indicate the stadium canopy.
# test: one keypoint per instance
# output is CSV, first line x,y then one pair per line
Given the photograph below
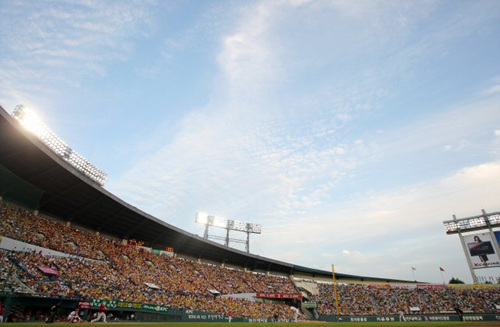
x,y
33,176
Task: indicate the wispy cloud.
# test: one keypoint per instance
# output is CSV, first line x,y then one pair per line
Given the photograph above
x,y
250,145
386,231
493,88
458,126
62,42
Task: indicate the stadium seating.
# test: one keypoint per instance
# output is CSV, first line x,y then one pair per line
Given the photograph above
x,y
96,267
392,299
101,268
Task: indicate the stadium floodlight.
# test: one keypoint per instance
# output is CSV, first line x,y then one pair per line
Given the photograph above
x,y
245,227
33,123
472,223
201,218
484,222
29,120
228,224
215,221
254,228
218,221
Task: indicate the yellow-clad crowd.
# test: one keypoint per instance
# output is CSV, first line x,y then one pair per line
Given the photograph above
x,y
395,299
102,268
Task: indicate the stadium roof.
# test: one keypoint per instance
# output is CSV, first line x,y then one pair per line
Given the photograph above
x,y
59,190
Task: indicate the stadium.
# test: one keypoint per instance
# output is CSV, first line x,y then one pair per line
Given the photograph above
x,y
69,243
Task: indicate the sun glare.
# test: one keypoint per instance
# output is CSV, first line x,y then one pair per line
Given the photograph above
x,y
33,123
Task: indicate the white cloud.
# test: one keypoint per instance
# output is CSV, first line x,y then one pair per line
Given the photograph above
x,y
246,58
62,42
494,89
456,126
286,161
404,225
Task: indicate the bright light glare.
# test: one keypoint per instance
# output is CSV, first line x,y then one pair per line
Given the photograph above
x,y
201,218
219,222
205,219
33,123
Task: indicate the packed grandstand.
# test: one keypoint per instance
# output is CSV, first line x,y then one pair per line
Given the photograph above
x,y
95,267
47,259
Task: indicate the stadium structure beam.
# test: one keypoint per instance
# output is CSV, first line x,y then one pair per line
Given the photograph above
x,y
19,151
43,172
225,259
8,186
84,208
111,218
51,198
183,239
247,263
269,265
159,236
136,227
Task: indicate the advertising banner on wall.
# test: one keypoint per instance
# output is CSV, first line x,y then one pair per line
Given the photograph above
x,y
481,251
497,236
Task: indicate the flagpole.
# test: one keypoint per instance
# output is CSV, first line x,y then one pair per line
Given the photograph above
x,y
442,276
413,273
335,291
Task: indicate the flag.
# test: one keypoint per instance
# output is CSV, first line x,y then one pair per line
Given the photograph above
x,y
441,269
413,268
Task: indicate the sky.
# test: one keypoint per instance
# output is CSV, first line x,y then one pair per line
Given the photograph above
x,y
349,130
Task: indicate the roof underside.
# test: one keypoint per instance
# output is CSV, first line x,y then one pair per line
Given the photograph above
x,y
63,192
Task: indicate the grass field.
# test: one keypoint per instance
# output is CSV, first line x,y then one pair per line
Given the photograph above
x,y
300,324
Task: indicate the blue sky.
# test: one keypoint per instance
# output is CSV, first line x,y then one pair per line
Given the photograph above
x,y
350,130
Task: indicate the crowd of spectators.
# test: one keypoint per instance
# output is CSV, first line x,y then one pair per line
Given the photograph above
x,y
394,299
102,268
21,224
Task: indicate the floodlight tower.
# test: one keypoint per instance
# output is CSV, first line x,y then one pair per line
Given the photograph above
x,y
209,220
482,249
35,125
